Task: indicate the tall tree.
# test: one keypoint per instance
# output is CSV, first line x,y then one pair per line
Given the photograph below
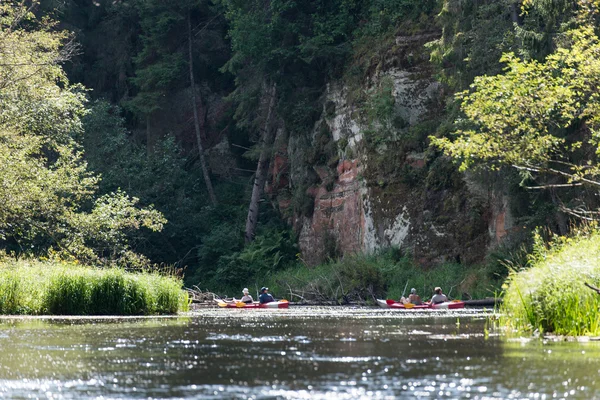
x,y
262,168
197,124
160,65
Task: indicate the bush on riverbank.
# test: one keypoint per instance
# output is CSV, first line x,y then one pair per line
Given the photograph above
x,y
33,287
383,275
550,296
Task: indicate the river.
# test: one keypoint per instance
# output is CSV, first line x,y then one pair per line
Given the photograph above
x,y
316,353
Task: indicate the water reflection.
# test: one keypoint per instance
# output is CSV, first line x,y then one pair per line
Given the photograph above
x,y
298,353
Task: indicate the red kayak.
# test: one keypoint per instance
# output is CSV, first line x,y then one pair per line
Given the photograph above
x,y
401,306
239,304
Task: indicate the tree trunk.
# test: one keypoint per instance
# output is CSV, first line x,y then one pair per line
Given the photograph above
x,y
148,136
207,181
514,14
262,170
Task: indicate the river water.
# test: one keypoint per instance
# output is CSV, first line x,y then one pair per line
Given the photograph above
x,y
300,353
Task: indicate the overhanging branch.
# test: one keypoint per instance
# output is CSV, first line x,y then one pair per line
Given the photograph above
x,y
577,178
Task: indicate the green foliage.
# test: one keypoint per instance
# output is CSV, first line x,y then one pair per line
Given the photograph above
x,y
381,118
169,179
161,63
364,277
273,249
549,295
69,289
474,36
48,198
530,116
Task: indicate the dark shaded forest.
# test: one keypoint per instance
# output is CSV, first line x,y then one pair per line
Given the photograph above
x,y
187,109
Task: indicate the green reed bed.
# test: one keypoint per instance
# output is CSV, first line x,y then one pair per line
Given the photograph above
x,y
550,296
32,287
382,275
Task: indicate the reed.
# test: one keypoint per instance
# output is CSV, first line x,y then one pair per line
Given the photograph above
x,y
35,287
550,295
384,275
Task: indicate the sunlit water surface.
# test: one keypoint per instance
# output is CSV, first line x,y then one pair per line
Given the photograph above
x,y
317,353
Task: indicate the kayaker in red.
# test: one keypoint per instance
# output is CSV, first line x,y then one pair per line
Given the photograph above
x,y
247,298
264,296
438,297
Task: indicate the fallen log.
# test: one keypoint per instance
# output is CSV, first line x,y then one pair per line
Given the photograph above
x,y
488,302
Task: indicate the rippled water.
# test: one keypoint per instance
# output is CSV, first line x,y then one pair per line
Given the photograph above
x,y
332,353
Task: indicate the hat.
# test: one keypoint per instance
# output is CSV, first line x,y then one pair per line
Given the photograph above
x,y
437,289
413,290
263,289
245,291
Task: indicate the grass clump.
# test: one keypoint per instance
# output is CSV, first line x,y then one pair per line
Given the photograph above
x,y
550,295
34,287
382,275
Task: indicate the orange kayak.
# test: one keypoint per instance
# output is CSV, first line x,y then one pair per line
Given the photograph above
x,y
239,304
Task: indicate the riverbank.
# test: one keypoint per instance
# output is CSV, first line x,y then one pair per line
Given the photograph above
x,y
550,296
55,288
390,274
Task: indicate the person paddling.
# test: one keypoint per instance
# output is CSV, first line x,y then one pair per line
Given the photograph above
x,y
265,297
414,298
438,297
247,298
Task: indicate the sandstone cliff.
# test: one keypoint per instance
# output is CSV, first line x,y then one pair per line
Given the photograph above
x,y
381,185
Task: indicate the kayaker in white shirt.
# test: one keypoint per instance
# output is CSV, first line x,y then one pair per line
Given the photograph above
x,y
438,297
247,298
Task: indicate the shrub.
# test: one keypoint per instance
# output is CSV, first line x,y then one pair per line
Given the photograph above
x,y
550,296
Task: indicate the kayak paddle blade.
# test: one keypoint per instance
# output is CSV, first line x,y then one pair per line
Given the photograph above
x,y
408,305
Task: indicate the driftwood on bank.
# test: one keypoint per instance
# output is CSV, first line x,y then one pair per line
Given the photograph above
x,y
198,296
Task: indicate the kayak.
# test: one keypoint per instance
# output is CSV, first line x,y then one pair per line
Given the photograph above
x,y
239,304
400,306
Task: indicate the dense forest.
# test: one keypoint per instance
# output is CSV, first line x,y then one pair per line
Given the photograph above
x,y
237,138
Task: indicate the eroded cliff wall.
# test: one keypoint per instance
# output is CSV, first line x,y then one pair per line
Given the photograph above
x,y
382,185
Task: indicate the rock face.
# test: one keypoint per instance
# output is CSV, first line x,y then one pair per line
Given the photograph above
x,y
387,188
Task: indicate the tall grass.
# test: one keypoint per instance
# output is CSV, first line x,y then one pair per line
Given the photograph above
x,y
383,275
33,287
550,295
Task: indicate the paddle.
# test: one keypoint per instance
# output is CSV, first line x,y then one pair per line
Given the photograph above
x,y
405,286
240,304
408,305
222,304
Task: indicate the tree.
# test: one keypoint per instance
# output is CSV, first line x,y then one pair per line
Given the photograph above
x,y
161,62
542,118
47,196
283,53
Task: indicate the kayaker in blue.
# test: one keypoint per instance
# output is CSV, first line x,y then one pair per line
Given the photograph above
x,y
438,297
264,296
